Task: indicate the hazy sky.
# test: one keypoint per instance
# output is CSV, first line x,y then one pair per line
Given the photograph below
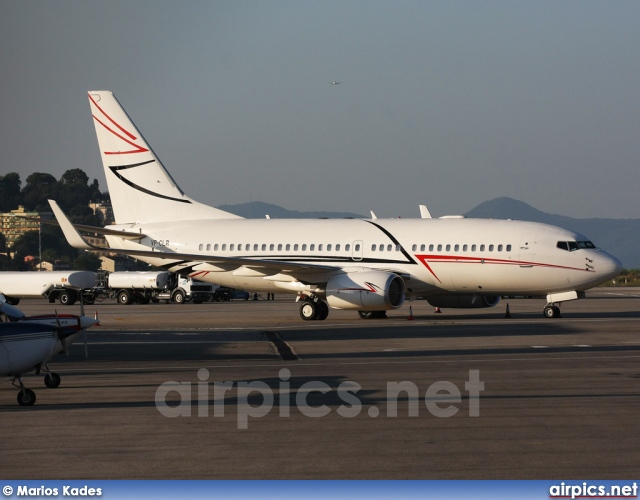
x,y
447,103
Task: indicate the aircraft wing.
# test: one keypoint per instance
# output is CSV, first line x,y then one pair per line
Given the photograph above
x,y
76,240
87,229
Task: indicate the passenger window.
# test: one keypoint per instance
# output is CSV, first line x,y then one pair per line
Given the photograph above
x,y
448,248
200,246
431,247
389,248
347,247
255,247
465,248
398,248
440,248
215,247
508,248
414,248
208,246
224,247
288,247
422,247
456,248
329,247
279,247
295,247
357,249
499,248
338,247
381,248
373,248
491,248
482,248
312,247
231,247
304,247
473,248
320,247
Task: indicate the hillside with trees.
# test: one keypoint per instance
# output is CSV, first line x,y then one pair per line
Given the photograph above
x,y
73,192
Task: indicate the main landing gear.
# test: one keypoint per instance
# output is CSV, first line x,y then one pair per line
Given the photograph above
x,y
26,397
314,309
551,311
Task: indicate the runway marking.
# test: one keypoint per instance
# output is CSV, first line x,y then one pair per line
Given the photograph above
x,y
548,357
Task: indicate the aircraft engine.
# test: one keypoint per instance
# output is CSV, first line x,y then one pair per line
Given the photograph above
x,y
365,291
463,301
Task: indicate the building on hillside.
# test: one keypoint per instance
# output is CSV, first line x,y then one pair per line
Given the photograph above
x,y
104,212
13,224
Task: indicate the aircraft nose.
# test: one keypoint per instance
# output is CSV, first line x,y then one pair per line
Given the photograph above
x,y
608,266
87,322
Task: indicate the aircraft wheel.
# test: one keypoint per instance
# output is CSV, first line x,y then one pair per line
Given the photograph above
x,y
366,314
308,311
323,311
52,380
26,397
551,311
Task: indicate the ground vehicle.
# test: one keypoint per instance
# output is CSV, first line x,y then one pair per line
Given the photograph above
x,y
128,287
186,289
224,294
65,286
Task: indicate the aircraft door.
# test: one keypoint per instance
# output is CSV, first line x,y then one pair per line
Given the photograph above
x,y
356,252
527,249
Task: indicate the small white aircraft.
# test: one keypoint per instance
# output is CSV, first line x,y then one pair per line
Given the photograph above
x,y
367,265
336,83
27,343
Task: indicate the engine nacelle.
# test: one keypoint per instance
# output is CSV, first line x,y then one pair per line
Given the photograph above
x,y
365,291
463,301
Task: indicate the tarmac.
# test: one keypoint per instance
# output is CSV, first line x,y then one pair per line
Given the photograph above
x,y
248,390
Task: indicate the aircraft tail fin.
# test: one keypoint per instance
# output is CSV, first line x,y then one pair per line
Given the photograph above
x,y
141,189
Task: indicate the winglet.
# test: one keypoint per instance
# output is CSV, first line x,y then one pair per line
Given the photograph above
x,y
70,233
424,212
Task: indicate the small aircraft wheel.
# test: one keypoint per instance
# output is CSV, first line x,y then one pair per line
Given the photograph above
x,y
26,397
308,311
178,297
52,380
552,312
366,314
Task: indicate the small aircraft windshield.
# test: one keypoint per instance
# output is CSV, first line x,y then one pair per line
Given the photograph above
x,y
572,246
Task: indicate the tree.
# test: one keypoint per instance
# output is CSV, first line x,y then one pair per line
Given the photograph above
x,y
3,243
10,196
39,188
87,261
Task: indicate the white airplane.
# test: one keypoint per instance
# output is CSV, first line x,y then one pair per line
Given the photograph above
x,y
336,83
27,343
367,265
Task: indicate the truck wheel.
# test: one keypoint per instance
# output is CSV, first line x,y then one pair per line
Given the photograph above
x,y
123,297
178,297
67,299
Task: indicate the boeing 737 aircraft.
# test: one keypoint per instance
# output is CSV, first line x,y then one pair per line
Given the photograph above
x,y
367,265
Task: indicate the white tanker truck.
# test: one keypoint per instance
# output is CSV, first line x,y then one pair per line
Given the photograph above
x,y
65,286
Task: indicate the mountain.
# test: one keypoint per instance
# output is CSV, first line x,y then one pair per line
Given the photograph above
x,y
258,210
620,237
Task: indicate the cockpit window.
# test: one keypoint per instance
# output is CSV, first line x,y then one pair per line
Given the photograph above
x,y
572,246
